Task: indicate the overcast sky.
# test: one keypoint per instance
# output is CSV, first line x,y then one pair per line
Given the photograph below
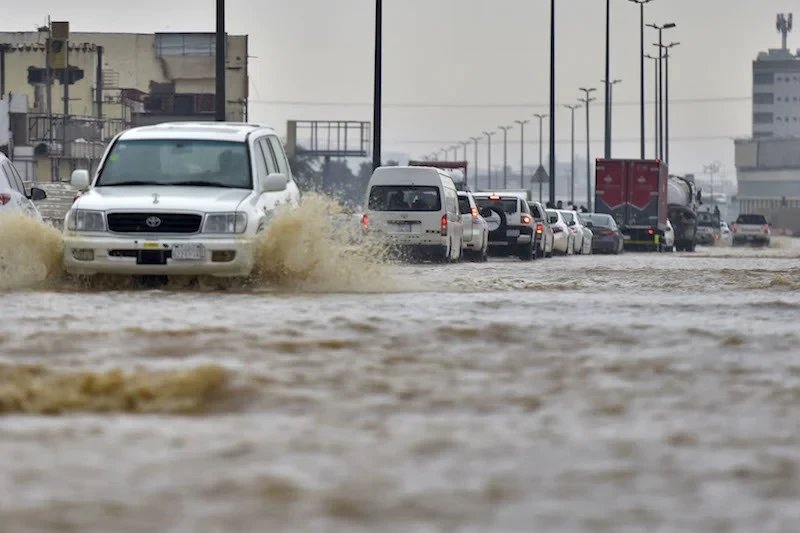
x,y
454,68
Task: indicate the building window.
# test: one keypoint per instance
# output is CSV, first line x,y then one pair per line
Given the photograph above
x,y
185,44
763,98
763,78
762,118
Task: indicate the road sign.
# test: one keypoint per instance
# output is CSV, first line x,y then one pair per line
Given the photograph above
x,y
540,176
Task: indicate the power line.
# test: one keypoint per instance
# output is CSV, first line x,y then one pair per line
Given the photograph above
x,y
567,141
677,101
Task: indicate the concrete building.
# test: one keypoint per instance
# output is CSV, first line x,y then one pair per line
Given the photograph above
x,y
120,80
768,164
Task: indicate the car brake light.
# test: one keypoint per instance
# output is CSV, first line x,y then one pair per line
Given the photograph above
x,y
474,212
444,225
364,221
525,219
5,199
539,228
494,197
735,228
650,231
766,228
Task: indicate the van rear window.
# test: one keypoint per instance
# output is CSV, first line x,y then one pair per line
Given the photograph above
x,y
404,198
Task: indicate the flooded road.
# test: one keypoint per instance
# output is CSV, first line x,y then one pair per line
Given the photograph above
x,y
640,392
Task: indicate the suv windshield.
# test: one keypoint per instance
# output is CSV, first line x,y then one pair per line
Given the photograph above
x,y
404,198
707,219
177,162
756,220
508,205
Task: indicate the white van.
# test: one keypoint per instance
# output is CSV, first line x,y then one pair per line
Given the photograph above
x,y
416,208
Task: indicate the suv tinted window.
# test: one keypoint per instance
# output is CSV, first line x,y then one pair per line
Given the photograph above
x,y
756,220
463,204
508,205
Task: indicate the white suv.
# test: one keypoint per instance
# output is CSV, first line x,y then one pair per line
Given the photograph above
x,y
178,198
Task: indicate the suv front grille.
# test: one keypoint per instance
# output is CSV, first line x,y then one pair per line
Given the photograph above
x,y
153,222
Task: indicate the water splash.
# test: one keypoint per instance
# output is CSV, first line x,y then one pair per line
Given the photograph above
x,y
30,252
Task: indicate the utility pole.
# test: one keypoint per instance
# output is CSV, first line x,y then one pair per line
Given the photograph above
x,y
572,109
376,102
660,45
656,126
505,155
609,113
541,117
475,172
522,151
221,101
641,85
607,140
587,100
666,48
489,154
552,184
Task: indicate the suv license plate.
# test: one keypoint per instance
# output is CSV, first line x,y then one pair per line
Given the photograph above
x,y
512,233
188,252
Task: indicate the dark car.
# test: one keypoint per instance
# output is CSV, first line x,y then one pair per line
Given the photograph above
x,y
607,236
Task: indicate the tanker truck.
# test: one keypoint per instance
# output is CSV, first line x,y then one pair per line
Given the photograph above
x,y
683,199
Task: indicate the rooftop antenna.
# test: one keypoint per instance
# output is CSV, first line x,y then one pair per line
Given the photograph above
x,y
784,26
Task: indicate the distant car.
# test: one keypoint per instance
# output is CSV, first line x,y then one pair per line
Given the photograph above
x,y
476,229
607,236
708,225
752,229
582,235
511,224
669,238
563,238
13,198
544,231
726,234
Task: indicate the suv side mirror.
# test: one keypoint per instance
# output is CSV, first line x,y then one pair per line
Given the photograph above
x,y
80,179
37,194
486,212
272,183
589,224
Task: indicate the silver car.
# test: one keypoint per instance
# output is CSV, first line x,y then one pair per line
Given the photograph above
x,y
476,230
13,198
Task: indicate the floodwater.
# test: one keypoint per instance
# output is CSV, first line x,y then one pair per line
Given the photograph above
x,y
628,393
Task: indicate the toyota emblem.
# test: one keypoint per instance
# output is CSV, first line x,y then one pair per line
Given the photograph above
x,y
153,222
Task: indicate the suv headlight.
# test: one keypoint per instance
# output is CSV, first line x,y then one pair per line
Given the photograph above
x,y
225,223
85,220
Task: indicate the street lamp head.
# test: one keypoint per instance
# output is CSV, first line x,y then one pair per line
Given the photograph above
x,y
669,25
670,45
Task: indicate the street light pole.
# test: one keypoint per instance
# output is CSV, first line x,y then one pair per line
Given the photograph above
x,y
541,117
552,184
489,154
376,103
572,109
522,151
610,104
464,144
641,85
607,149
475,172
660,44
655,103
666,48
587,100
221,100
505,155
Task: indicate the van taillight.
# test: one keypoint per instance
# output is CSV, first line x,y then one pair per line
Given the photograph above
x,y
5,199
364,221
474,212
735,228
444,225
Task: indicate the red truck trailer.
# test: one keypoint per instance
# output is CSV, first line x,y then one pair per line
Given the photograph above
x,y
461,185
634,192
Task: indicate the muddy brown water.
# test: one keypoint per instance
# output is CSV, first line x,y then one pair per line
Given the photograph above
x,y
639,392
